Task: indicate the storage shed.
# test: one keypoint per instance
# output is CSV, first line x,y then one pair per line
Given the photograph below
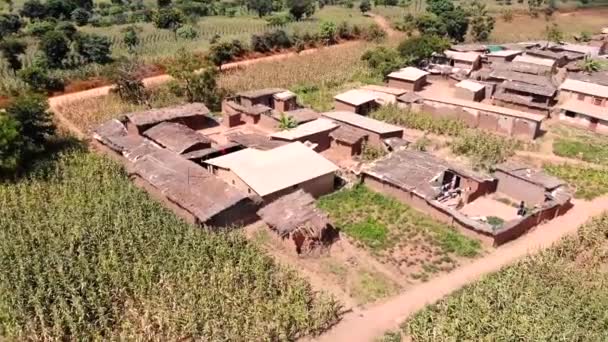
x,y
347,141
470,91
356,101
376,130
410,78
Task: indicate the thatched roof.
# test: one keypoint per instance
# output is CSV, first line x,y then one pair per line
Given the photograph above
x,y
177,137
154,116
529,88
187,184
295,211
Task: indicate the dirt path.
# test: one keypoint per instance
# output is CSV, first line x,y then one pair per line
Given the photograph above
x,y
385,25
365,325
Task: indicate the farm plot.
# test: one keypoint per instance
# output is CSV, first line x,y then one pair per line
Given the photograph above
x,y
560,294
397,234
85,255
588,183
579,144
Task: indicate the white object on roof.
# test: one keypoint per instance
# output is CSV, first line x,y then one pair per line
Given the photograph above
x,y
535,60
504,53
267,172
485,107
408,74
585,108
285,95
463,56
585,88
306,129
363,122
356,97
470,85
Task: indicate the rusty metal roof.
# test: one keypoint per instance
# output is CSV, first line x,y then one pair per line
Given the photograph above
x,y
177,137
154,116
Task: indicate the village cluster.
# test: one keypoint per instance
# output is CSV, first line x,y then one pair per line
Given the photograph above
x,y
242,167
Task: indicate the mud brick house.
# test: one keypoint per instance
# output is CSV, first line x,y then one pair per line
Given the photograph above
x,y
410,79
193,115
532,93
188,186
177,137
593,93
464,60
114,138
274,173
316,132
536,60
357,101
263,97
296,218
285,101
502,56
524,183
198,156
470,90
525,68
584,115
375,130
347,142
496,119
457,196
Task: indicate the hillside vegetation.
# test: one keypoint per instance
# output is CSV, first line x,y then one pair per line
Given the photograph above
x,y
559,295
85,255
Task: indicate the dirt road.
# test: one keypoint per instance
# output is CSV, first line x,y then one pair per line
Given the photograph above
x,y
365,325
385,25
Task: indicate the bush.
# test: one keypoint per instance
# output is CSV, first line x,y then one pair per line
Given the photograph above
x,y
54,46
38,79
11,143
67,28
328,32
423,47
187,32
40,28
9,24
269,41
420,121
129,83
93,48
223,52
383,60
374,33
485,149
11,49
81,16
279,19
31,111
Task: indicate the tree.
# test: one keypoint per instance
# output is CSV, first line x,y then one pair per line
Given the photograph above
x,y
81,16
59,9
31,111
196,79
456,23
287,122
54,46
421,48
131,37
300,8
430,24
482,23
222,52
163,3
11,49
9,24
438,7
168,19
93,48
67,28
365,6
38,79
187,32
261,7
33,9
11,142
554,34
328,31
39,28
384,60
128,82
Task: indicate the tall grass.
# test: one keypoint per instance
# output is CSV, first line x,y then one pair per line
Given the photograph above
x,y
558,295
420,121
84,255
587,182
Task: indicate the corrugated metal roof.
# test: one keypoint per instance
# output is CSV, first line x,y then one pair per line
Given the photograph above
x,y
356,97
585,88
267,172
363,122
408,74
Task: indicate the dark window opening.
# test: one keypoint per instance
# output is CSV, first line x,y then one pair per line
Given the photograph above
x,y
570,114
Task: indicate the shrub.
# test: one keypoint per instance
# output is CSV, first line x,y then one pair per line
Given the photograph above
x,y
269,41
9,24
328,32
187,32
365,6
383,60
374,33
344,31
10,144
40,28
423,47
33,9
81,16
31,111
129,84
54,46
11,49
39,80
507,15
93,48
279,19
67,28
223,52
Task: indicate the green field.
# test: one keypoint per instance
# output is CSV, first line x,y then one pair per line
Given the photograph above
x,y
559,295
85,255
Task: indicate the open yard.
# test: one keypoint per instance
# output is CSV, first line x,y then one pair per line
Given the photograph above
x,y
397,234
85,255
558,295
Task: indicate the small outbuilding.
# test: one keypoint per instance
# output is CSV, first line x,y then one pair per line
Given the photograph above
x,y
524,183
357,101
295,217
410,78
285,101
593,93
546,62
347,141
316,132
470,90
502,56
376,130
464,60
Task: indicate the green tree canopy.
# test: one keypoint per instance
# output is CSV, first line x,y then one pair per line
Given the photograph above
x,y
31,111
11,143
54,46
421,48
300,8
11,49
